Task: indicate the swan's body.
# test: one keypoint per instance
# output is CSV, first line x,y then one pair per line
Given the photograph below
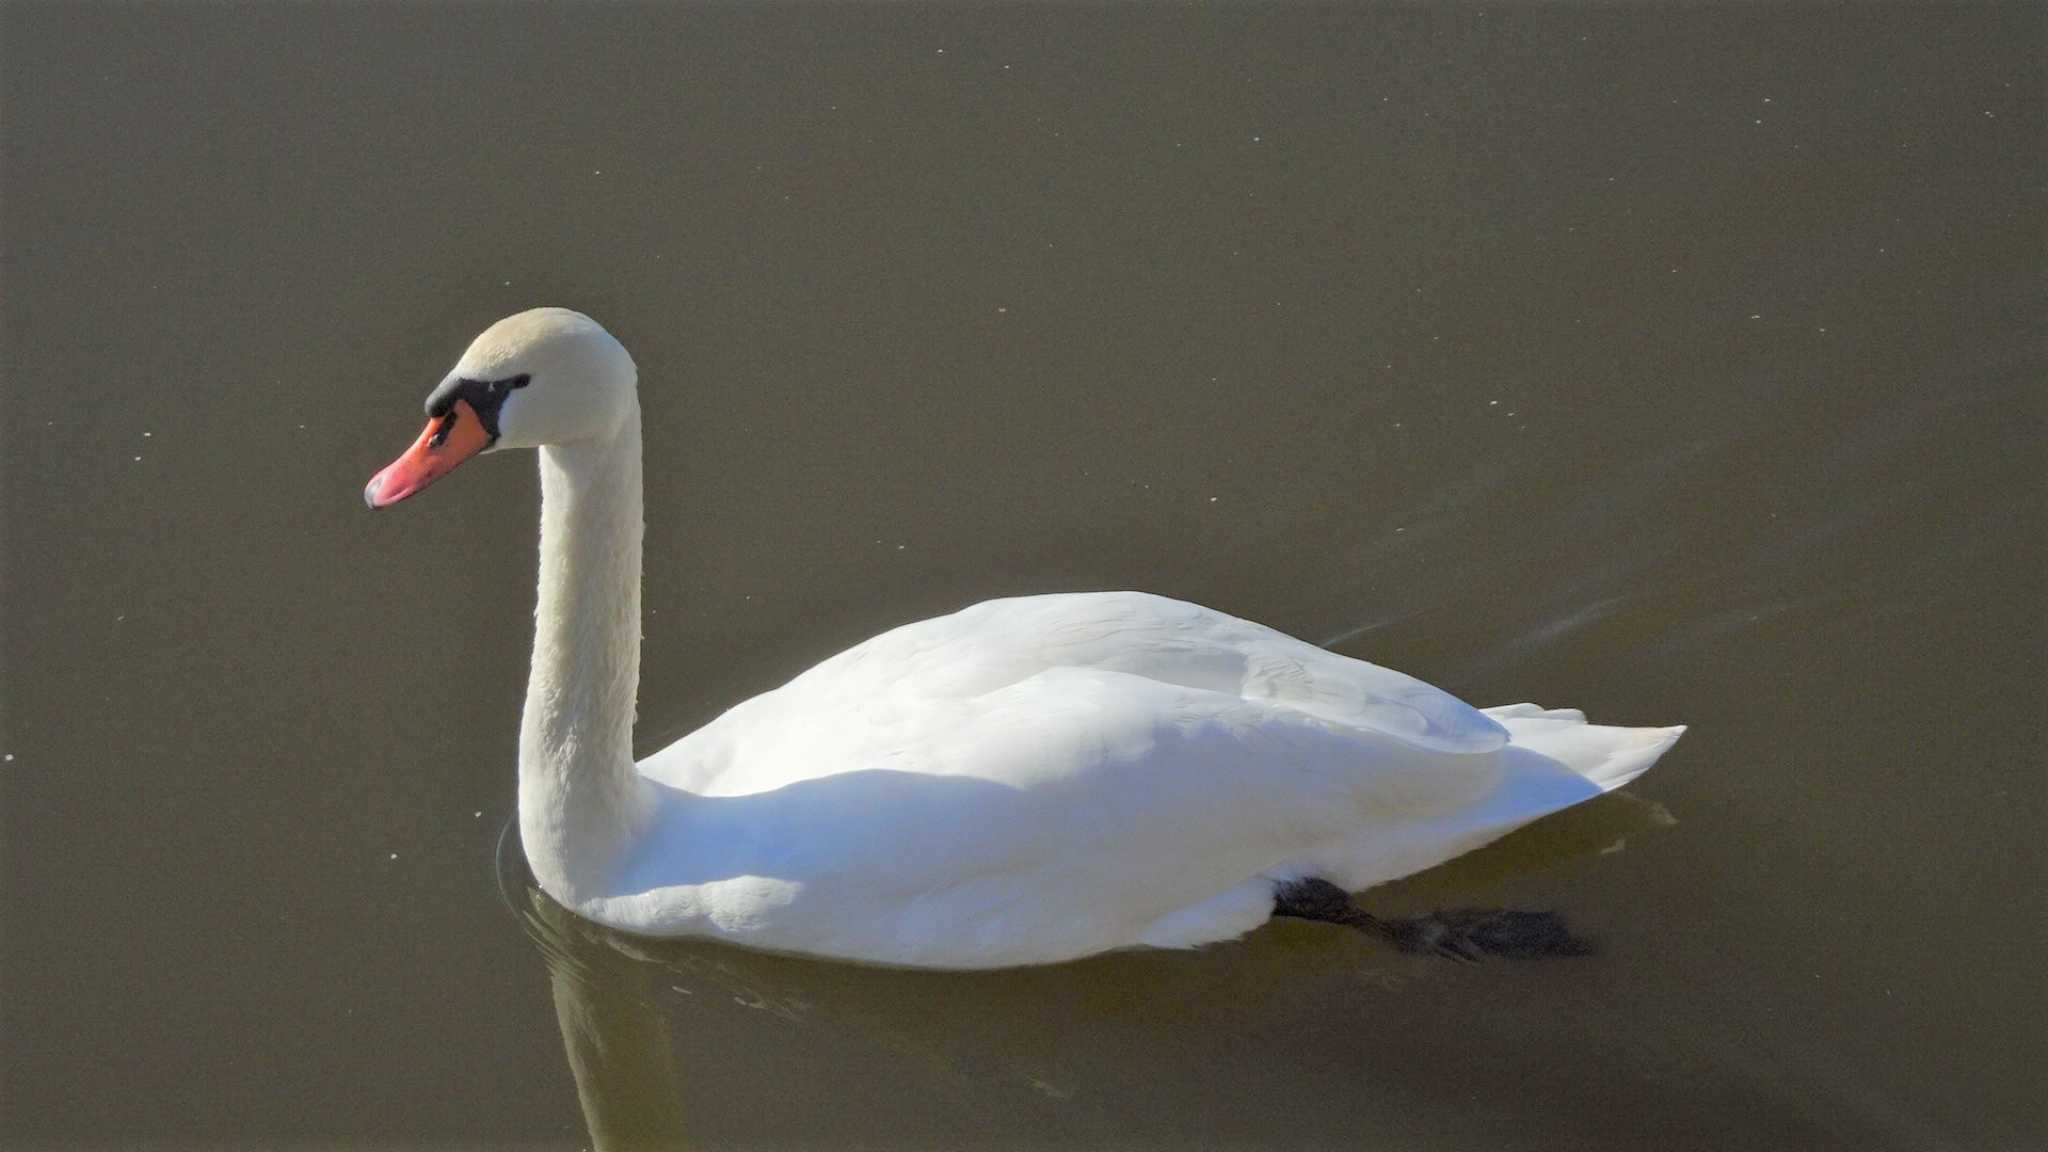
x,y
1023,781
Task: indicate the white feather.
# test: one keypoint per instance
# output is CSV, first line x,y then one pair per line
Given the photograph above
x,y
1023,781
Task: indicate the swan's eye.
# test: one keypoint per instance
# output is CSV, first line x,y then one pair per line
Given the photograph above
x,y
441,430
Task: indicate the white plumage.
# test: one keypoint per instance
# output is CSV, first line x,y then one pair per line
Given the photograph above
x,y
1023,781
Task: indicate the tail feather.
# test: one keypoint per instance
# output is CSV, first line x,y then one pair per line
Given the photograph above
x,y
1609,757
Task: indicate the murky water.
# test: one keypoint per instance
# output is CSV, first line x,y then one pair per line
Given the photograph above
x,y
1681,365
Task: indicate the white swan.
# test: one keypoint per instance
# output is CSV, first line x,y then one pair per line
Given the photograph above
x,y
1021,782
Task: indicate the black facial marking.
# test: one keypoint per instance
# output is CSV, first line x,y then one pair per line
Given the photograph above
x,y
485,396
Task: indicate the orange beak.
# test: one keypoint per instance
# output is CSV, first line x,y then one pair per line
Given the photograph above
x,y
448,440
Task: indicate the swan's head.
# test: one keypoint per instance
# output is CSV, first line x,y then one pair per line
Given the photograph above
x,y
549,376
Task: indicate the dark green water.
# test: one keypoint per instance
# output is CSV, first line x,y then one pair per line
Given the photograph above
x,y
1683,364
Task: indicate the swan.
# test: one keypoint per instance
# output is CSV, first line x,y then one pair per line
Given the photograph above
x,y
1024,781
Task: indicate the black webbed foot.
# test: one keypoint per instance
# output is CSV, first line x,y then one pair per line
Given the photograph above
x,y
1466,934
1313,899
1475,933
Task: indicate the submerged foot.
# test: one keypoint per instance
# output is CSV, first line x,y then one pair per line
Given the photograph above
x,y
1459,933
1474,933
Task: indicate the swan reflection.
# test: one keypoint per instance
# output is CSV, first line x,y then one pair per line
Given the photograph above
x,y
1062,1053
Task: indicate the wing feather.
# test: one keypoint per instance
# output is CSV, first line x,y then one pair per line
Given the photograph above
x,y
874,704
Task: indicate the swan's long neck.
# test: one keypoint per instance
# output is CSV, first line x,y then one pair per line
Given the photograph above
x,y
580,800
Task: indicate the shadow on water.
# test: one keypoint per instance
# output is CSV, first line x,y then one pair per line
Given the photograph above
x,y
625,1002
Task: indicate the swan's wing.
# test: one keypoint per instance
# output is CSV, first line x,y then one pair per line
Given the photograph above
x,y
865,706
1057,815
1031,780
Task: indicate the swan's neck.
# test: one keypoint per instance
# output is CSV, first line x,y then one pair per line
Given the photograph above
x,y
581,803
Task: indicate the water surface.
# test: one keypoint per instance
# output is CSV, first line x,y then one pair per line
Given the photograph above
x,y
1679,364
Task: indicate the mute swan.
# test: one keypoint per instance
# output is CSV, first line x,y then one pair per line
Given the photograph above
x,y
1021,782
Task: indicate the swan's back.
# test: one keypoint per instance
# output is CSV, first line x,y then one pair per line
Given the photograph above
x,y
871,704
